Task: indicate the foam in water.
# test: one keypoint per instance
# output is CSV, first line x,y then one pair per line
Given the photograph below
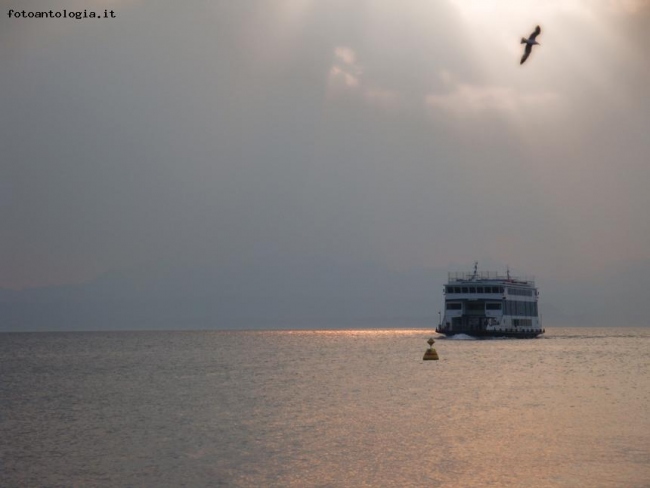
x,y
462,337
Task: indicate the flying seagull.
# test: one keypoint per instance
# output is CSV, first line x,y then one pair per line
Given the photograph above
x,y
530,42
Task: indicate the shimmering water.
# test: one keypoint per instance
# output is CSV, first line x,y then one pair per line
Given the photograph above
x,y
314,408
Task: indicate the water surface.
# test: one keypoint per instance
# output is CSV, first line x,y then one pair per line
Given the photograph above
x,y
325,408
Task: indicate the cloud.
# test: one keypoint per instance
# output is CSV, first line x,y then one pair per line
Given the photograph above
x,y
338,75
629,6
345,55
465,99
345,72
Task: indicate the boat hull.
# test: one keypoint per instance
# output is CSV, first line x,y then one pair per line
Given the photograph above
x,y
485,333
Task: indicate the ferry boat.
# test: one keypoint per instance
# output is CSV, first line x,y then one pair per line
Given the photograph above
x,y
487,304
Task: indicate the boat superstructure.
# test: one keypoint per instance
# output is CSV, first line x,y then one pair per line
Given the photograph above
x,y
488,304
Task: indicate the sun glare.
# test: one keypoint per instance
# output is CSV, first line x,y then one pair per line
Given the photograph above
x,y
506,11
494,29
500,24
475,8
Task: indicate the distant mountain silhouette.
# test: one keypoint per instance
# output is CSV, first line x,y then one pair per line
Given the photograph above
x,y
298,293
278,293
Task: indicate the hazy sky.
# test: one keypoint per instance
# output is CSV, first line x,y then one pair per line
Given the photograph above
x,y
213,133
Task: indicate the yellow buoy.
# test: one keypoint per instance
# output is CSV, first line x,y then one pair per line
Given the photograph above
x,y
430,354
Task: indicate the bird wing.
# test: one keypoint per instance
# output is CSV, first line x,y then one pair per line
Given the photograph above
x,y
537,32
526,53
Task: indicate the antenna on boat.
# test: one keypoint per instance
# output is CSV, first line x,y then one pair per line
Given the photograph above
x,y
475,270
508,272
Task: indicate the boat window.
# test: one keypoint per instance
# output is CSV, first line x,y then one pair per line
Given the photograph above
x,y
493,306
475,306
520,307
472,289
479,289
456,289
464,289
453,306
520,292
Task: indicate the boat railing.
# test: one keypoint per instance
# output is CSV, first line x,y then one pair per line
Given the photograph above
x,y
488,275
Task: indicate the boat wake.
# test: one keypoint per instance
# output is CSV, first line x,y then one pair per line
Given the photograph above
x,y
461,337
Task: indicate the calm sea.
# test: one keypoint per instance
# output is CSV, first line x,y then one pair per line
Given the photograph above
x,y
324,409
